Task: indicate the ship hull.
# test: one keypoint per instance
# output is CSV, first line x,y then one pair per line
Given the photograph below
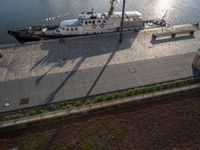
x,y
35,34
26,37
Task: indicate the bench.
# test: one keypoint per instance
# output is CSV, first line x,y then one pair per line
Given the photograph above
x,y
173,33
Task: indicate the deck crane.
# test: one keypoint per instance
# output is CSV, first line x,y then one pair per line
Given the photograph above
x,y
111,8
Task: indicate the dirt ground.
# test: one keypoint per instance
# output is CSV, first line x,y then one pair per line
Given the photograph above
x,y
173,123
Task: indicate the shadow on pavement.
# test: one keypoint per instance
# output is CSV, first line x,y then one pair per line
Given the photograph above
x,y
83,49
171,39
51,97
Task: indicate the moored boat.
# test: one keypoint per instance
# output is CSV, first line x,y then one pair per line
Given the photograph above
x,y
86,24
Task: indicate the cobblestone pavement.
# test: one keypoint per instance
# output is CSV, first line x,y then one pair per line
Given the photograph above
x,y
80,53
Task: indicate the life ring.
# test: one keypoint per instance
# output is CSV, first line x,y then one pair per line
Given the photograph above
x,y
94,25
102,25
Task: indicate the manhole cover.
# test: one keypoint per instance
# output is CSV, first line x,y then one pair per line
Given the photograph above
x,y
7,104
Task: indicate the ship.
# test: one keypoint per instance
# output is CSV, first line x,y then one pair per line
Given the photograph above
x,y
86,24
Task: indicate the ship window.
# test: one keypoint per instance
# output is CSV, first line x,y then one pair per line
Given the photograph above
x,y
85,22
76,29
67,29
63,28
72,29
104,21
81,21
99,21
93,21
89,22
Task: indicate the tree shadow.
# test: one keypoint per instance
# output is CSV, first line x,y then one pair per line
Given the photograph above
x,y
42,76
41,61
85,46
83,49
171,39
99,75
51,97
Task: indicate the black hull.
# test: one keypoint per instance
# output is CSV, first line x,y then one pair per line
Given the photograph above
x,y
22,38
36,34
24,35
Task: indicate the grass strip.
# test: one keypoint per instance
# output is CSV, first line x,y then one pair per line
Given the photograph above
x,y
96,99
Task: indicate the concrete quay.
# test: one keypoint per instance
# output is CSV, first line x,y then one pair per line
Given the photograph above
x,y
51,71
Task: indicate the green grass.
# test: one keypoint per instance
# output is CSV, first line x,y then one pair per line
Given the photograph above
x,y
119,131
30,144
89,146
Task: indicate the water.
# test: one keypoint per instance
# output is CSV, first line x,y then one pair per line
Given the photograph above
x,y
23,13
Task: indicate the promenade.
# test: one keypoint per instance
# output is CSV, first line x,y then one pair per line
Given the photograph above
x,y
51,71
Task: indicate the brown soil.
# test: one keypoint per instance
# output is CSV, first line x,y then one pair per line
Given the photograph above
x,y
173,123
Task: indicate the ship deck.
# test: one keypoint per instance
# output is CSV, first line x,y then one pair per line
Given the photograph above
x,y
58,70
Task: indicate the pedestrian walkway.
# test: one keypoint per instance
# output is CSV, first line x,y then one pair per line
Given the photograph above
x,y
46,72
93,81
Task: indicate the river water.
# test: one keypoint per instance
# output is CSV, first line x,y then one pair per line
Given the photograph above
x,y
23,13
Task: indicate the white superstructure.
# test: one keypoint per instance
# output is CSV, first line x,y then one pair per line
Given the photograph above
x,y
92,23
